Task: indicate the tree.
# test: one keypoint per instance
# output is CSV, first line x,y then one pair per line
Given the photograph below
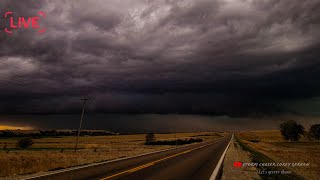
x,y
25,143
150,138
291,130
314,132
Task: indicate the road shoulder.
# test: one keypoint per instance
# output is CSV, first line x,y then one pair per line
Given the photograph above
x,y
235,154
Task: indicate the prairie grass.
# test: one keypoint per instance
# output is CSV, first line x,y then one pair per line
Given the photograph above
x,y
271,144
57,153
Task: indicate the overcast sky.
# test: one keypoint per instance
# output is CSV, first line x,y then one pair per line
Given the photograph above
x,y
189,56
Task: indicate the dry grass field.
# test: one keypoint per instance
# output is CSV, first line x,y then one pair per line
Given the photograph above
x,y
45,154
271,144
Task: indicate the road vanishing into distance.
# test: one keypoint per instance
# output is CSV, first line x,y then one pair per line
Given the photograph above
x,y
192,162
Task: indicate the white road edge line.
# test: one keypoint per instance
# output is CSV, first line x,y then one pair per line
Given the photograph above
x,y
218,166
106,162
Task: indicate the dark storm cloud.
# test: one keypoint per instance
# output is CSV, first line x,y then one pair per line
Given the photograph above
x,y
222,56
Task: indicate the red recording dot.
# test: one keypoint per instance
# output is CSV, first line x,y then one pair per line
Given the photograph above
x,y
237,164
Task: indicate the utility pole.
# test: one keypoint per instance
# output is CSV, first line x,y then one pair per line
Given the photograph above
x,y
175,136
83,109
175,131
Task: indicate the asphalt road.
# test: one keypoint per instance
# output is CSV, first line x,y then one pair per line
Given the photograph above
x,y
196,161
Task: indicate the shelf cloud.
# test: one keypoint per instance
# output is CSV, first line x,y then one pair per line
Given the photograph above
x,y
188,56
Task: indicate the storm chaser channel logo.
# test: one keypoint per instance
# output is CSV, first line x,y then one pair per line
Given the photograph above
x,y
12,22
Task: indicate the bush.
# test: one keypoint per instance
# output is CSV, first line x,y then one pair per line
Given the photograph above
x,y
291,130
25,143
314,132
150,138
175,142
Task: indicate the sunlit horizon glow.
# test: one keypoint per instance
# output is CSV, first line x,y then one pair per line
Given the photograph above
x,y
7,127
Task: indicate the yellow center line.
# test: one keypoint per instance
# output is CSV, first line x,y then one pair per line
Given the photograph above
x,y
152,163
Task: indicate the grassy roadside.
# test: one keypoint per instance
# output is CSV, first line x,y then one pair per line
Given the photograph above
x,y
258,157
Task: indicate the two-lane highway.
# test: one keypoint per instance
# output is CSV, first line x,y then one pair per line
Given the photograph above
x,y
196,161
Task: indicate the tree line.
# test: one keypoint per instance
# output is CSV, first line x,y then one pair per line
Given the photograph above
x,y
151,140
292,131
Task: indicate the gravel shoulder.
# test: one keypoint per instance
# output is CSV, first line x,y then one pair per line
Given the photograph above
x,y
234,154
